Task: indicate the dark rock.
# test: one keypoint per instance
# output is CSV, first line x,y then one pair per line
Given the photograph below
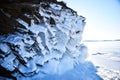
x,y
52,21
6,73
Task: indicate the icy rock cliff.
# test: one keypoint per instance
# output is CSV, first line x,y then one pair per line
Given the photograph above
x,y
48,50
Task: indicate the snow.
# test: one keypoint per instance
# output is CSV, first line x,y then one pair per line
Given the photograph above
x,y
5,48
77,73
29,69
56,6
9,63
62,40
23,22
37,28
106,56
109,74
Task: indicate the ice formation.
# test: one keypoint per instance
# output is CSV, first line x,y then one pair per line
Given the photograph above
x,y
49,50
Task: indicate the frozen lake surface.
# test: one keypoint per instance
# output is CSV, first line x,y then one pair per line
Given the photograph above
x,y
106,56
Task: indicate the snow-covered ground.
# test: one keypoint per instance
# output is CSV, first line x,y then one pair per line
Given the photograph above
x,y
106,57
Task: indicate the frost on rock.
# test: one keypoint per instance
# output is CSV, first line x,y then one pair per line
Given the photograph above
x,y
50,49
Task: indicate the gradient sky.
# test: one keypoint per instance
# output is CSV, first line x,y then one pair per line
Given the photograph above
x,y
102,18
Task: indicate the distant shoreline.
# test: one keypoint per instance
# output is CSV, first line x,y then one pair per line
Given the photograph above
x,y
100,40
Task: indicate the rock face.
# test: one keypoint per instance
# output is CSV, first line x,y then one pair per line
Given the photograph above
x,y
49,48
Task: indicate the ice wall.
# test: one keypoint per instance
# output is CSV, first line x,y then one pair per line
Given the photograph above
x,y
49,50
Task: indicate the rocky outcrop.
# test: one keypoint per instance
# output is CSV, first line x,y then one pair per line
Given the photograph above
x,y
27,10
47,44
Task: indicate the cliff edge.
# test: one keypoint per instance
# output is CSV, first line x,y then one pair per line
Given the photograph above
x,y
41,40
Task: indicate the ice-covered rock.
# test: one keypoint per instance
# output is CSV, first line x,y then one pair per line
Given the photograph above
x,y
51,48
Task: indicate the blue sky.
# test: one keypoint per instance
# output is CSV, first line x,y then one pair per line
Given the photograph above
x,y
102,18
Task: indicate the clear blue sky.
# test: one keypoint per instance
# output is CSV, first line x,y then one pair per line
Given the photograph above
x,y
102,18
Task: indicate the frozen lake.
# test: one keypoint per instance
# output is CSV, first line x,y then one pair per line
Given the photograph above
x,y
103,47
105,55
